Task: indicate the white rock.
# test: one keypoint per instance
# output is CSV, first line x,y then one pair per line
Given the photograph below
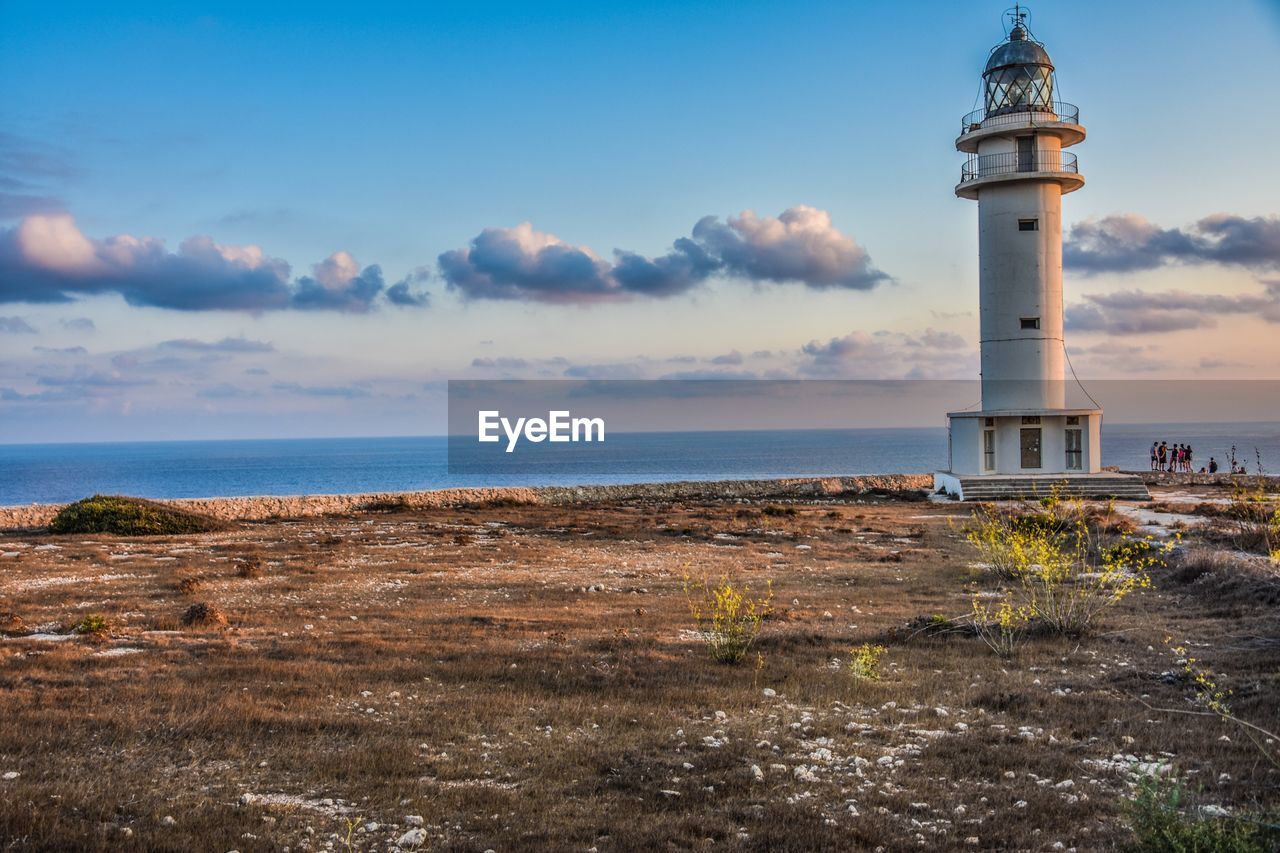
x,y
10,776
756,773
168,820
1020,804
413,820
1214,811
770,692
412,839
1065,784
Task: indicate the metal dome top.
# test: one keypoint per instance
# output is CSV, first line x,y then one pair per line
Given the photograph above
x,y
1019,74
1020,49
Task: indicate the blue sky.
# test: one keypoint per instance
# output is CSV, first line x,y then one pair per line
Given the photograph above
x,y
394,134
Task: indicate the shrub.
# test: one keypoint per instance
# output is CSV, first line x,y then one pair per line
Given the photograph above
x,y
122,516
249,567
1253,513
190,585
94,623
1065,575
728,617
1002,627
1160,826
203,614
864,662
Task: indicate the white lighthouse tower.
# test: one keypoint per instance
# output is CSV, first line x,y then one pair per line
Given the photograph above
x,y
1024,439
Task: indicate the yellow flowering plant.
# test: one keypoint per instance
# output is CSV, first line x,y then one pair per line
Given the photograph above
x,y
728,617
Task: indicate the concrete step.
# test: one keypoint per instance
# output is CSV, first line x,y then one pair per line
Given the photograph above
x,y
1015,488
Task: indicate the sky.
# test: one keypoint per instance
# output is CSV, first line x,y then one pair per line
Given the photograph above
x,y
246,220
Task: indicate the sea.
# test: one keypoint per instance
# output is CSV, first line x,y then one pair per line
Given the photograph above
x,y
59,473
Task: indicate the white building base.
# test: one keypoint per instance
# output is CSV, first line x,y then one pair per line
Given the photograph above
x,y
1025,454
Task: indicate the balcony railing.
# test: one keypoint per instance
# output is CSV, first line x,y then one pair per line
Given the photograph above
x,y
1056,111
1012,162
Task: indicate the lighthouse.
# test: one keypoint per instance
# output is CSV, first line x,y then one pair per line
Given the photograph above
x,y
1024,439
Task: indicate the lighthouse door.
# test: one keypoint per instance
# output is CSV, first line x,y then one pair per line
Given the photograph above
x,y
1031,447
1026,153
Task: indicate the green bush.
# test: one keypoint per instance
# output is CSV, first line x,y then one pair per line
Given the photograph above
x,y
124,516
94,623
1160,826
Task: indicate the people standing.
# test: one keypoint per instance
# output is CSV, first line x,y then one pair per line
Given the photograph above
x,y
1155,454
1162,456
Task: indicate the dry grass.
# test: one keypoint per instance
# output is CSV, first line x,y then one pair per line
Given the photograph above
x,y
524,677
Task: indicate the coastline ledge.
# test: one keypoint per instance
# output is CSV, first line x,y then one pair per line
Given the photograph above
x,y
263,507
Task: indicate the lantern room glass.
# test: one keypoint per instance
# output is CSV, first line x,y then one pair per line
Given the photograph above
x,y
1019,87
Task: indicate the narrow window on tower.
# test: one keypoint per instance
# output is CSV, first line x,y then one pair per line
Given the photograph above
x,y
1028,224
1030,322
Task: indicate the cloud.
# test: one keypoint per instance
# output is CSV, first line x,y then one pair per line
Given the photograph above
x,y
78,324
17,204
704,375
81,379
1144,312
225,391
500,362
1213,363
345,391
687,265
25,166
46,258
930,355
401,295
1129,243
230,345
60,350
733,357
616,370
521,263
801,245
15,326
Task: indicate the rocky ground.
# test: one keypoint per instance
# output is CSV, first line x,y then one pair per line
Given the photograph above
x,y
509,675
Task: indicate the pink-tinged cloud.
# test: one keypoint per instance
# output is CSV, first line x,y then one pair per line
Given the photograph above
x,y
1129,242
799,246
46,258
1143,312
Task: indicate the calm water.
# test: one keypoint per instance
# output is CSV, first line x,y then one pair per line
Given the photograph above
x,y
54,473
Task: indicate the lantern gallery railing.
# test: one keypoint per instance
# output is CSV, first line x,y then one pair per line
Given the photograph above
x,y
1011,162
1023,116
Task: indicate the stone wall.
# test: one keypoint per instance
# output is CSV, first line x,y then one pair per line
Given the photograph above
x,y
1164,478
302,506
